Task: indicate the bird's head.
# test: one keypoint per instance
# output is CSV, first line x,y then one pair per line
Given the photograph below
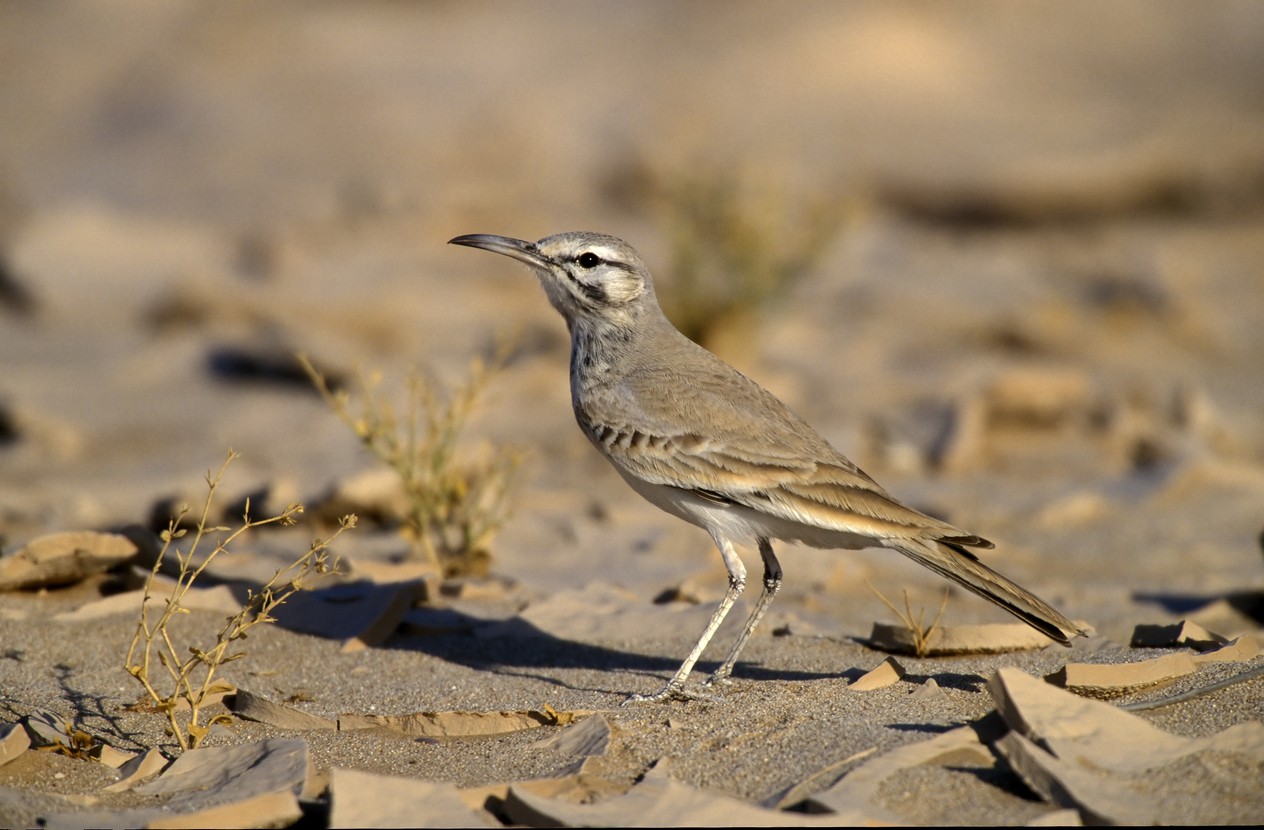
x,y
589,277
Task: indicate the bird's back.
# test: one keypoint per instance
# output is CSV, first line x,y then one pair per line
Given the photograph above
x,y
679,416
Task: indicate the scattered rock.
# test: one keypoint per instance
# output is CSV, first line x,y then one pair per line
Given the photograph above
x,y
391,611
658,801
1075,510
365,799
264,365
428,621
1022,399
459,724
1116,768
269,499
588,738
406,570
250,706
928,690
1238,650
1038,397
175,508
64,558
148,763
1239,612
1115,679
1177,635
183,508
111,757
15,296
361,614
219,599
818,781
961,442
375,495
82,257
215,692
886,673
9,431
211,776
857,793
1057,818
271,809
706,587
49,730
478,588
991,638
186,305
14,740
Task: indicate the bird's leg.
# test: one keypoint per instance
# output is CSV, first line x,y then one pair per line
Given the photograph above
x,y
675,687
772,584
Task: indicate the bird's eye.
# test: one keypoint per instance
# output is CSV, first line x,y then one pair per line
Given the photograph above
x,y
588,260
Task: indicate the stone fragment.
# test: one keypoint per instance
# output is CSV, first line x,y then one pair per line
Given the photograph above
x,y
1177,635
1115,679
884,674
223,774
150,762
991,638
659,801
858,791
250,706
1116,768
63,558
13,742
366,799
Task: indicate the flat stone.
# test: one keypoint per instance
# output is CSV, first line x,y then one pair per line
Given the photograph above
x,y
222,774
63,558
884,674
150,762
253,707
365,799
990,638
1114,679
13,742
1117,768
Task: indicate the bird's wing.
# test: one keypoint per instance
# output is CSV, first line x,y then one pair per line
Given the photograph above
x,y
735,442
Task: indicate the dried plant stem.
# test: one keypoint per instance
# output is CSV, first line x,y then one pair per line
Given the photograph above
x,y
739,243
916,626
456,504
192,678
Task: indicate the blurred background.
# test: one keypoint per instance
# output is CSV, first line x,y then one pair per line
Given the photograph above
x,y
1006,255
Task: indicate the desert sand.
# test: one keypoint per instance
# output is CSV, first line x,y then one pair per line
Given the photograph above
x,y
1024,245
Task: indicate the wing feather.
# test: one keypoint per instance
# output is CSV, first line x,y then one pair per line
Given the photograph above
x,y
755,451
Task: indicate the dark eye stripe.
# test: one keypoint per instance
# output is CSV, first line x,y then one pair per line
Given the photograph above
x,y
593,292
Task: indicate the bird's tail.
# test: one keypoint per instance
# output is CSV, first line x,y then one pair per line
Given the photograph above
x,y
950,558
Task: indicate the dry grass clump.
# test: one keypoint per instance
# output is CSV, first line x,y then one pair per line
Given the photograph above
x,y
185,684
916,625
457,501
738,244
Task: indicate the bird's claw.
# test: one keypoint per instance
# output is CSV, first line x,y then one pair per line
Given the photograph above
x,y
672,691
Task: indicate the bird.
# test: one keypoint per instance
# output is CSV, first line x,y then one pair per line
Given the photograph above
x,y
705,443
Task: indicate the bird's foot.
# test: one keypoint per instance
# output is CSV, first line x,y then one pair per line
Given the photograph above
x,y
718,680
672,691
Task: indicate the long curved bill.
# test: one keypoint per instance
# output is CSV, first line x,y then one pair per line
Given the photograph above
x,y
518,249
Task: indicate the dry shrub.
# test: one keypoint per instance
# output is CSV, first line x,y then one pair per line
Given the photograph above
x,y
916,625
183,686
738,243
457,500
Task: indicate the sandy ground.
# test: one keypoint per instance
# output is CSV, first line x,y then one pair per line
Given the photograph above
x,y
1038,316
